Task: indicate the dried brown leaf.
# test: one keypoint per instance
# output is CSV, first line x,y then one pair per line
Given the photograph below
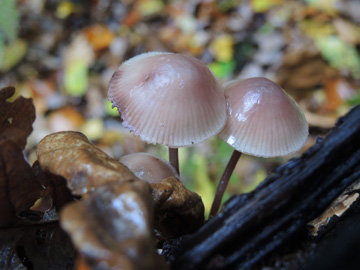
x,y
111,227
72,156
56,187
178,211
16,117
19,188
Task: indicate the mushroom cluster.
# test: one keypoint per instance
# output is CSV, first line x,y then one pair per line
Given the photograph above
x,y
176,100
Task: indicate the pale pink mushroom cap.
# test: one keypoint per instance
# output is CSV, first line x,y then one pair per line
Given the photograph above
x,y
168,98
148,167
262,119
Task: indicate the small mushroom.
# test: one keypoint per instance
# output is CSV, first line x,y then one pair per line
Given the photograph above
x,y
177,211
262,121
148,167
168,98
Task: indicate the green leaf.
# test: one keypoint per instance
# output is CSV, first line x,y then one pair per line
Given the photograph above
x,y
340,55
76,78
354,101
2,52
264,5
110,110
315,29
93,129
222,69
9,20
11,54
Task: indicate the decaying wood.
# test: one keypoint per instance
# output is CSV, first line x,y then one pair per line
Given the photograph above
x,y
254,225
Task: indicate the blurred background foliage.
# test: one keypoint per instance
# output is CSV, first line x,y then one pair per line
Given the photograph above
x,y
63,53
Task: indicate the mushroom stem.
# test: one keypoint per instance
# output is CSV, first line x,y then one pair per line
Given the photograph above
x,y
223,182
174,158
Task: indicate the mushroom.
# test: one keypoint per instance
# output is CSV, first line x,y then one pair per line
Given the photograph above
x,y
168,98
177,210
148,167
262,121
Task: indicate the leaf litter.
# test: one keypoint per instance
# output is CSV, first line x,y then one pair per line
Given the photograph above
x,y
308,47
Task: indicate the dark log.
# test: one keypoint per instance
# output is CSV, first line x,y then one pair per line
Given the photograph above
x,y
253,226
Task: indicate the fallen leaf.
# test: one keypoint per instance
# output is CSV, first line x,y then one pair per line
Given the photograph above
x,y
72,156
321,121
222,48
65,118
178,211
99,36
340,54
132,18
9,17
16,118
263,6
303,70
337,91
78,57
56,187
19,188
223,70
347,30
150,8
12,54
111,227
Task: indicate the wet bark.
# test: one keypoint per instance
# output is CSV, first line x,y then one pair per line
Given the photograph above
x,y
253,227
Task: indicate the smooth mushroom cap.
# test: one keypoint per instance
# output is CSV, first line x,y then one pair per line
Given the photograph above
x,y
148,167
168,98
262,119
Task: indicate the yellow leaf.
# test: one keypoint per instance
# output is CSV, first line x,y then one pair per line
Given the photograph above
x,y
152,7
64,9
12,54
264,5
315,29
223,48
76,78
93,129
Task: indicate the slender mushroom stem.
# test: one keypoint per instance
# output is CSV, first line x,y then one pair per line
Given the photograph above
x,y
223,182
174,158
